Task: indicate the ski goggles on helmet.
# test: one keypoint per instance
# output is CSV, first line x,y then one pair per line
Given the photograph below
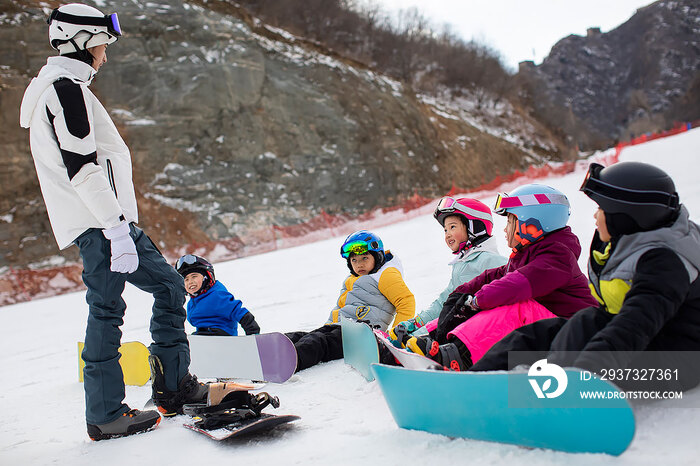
x,y
354,247
448,205
190,259
111,21
592,184
505,201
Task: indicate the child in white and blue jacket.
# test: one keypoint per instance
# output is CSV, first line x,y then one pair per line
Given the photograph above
x,y
375,292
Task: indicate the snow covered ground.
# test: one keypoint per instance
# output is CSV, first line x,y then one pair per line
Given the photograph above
x,y
344,419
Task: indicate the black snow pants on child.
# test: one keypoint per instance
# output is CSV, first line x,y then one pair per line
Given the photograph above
x,y
321,345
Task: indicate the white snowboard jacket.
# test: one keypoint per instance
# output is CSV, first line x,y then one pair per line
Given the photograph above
x,y
83,164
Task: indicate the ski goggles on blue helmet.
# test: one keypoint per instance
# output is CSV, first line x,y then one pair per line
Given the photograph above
x,y
111,21
361,242
504,201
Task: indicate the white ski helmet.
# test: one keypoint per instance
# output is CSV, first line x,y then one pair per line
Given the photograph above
x,y
75,27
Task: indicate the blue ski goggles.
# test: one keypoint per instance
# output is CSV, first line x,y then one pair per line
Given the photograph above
x,y
111,21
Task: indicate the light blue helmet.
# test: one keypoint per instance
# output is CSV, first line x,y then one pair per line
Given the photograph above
x,y
540,209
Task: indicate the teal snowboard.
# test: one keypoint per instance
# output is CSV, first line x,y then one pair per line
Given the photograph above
x,y
506,407
359,347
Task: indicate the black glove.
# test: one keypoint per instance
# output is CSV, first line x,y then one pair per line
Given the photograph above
x,y
451,301
457,309
250,326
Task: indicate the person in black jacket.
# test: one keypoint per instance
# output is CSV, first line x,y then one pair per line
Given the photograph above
x,y
643,270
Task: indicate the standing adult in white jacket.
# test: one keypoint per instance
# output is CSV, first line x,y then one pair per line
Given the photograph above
x,y
84,170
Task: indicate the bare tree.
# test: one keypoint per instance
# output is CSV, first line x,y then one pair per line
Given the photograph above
x,y
406,47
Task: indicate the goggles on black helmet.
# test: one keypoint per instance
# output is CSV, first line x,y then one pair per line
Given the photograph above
x,y
111,21
592,184
190,259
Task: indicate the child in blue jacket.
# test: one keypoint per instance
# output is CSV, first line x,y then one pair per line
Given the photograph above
x,y
212,310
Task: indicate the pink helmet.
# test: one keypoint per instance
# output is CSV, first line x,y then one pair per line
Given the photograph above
x,y
471,209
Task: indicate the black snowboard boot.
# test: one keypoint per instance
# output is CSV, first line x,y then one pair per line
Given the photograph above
x,y
131,422
385,356
170,403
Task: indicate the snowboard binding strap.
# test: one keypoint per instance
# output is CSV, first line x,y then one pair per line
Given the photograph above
x,y
211,421
236,406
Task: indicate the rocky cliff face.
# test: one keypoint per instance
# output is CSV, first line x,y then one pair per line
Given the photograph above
x,y
636,78
233,125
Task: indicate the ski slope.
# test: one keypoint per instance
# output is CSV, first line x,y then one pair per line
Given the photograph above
x,y
344,419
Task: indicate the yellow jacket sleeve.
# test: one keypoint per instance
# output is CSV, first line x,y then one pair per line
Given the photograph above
x,y
392,286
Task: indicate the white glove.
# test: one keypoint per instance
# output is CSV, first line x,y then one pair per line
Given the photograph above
x,y
124,256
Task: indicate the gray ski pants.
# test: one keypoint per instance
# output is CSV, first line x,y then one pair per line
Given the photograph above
x,y
104,383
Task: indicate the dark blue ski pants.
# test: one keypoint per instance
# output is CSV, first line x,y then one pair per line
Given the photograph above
x,y
104,382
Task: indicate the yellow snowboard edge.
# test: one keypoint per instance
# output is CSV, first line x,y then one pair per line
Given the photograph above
x,y
133,359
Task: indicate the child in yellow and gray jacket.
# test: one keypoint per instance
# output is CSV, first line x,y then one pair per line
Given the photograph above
x,y
374,292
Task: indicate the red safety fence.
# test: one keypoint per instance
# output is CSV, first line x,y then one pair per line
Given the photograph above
x,y
677,128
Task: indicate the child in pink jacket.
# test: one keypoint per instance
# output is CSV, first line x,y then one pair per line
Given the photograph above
x,y
541,280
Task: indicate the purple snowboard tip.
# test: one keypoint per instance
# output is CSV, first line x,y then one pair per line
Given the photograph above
x,y
278,356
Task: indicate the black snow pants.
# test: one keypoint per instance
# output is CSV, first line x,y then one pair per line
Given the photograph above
x,y
561,342
321,345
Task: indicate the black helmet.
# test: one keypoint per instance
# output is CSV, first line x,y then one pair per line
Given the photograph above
x,y
190,263
641,191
